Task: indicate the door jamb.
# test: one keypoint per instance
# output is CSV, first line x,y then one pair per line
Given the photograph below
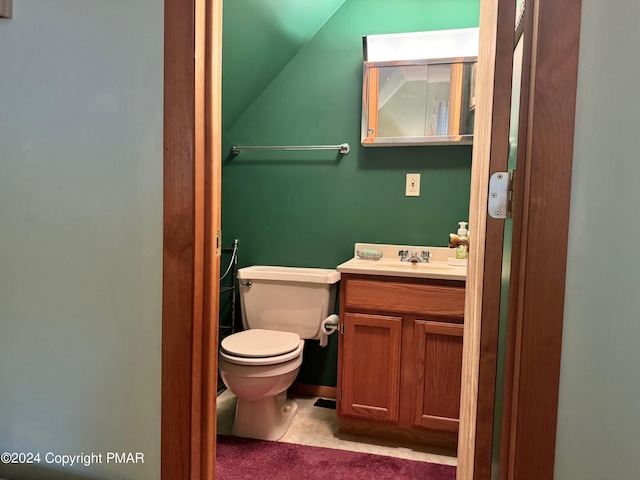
x,y
541,230
540,235
493,101
190,269
484,276
190,285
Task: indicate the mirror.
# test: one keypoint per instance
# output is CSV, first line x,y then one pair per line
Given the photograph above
x,y
418,102
419,87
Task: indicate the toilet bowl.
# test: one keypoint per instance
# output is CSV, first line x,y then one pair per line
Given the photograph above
x,y
260,383
281,306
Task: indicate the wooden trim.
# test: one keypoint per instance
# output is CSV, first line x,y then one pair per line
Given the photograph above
x,y
515,279
442,328
403,297
455,99
424,359
374,91
392,328
179,257
542,194
191,215
313,390
343,292
482,148
431,422
542,234
409,373
493,243
212,191
403,436
370,100
198,189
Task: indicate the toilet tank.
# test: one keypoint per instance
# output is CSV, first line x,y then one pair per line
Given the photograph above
x,y
289,299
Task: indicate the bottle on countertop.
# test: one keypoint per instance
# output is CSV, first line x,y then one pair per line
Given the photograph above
x,y
462,249
459,242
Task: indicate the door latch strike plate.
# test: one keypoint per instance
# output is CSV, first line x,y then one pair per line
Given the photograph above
x,y
218,242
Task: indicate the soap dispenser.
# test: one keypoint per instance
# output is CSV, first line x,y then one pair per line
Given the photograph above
x,y
462,250
460,243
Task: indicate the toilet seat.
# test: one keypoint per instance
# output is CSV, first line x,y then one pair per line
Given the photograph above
x,y
261,347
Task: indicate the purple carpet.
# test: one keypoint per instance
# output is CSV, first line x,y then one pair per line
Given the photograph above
x,y
247,459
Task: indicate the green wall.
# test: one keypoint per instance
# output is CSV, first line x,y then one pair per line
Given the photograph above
x,y
309,208
260,38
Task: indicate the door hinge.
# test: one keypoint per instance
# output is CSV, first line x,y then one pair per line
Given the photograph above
x,y
218,242
341,328
340,395
500,203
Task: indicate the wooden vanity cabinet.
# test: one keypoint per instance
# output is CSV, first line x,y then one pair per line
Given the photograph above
x,y
371,366
400,357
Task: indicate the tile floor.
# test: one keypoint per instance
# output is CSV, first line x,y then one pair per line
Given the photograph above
x,y
318,426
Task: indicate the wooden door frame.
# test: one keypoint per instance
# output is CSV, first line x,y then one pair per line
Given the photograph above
x,y
484,275
190,285
540,234
193,46
541,231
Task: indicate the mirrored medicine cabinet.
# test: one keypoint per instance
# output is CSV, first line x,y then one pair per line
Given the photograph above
x,y
418,101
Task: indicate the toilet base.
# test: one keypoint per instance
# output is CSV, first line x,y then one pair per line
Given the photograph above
x,y
265,419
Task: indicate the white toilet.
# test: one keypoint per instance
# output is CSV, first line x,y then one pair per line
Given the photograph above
x,y
281,306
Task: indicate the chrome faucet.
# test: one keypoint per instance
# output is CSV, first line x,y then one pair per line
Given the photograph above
x,y
414,258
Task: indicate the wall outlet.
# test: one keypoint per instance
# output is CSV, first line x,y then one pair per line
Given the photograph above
x,y
413,185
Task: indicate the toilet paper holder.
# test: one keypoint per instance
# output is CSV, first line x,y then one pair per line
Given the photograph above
x,y
327,327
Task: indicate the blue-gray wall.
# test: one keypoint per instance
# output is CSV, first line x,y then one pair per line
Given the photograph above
x,y
81,234
599,423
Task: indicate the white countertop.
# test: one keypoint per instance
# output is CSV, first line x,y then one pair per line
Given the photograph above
x,y
390,263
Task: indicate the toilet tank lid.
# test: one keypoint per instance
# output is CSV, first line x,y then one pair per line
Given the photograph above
x,y
289,274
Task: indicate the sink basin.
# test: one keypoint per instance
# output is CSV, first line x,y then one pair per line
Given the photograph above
x,y
390,263
394,264
423,266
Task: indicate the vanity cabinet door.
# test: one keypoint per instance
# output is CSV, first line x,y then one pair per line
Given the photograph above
x,y
438,375
371,366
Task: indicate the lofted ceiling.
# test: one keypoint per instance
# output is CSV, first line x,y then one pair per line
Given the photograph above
x,y
260,37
